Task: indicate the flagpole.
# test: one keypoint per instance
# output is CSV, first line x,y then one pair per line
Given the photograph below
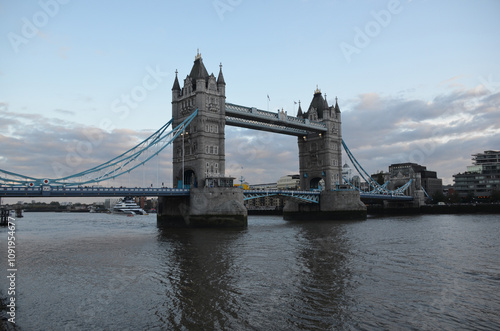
x,y
268,102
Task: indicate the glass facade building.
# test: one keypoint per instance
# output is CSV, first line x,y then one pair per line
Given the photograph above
x,y
482,178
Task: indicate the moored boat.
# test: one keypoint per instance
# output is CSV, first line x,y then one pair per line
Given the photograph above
x,y
127,206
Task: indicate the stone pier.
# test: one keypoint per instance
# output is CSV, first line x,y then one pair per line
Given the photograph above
x,y
205,207
333,205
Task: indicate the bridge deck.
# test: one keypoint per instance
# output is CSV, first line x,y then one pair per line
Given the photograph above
x,y
253,118
374,196
59,191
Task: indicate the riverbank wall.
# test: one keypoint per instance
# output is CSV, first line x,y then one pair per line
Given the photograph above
x,y
436,209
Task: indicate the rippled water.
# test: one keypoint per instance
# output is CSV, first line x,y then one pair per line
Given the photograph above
x,y
108,272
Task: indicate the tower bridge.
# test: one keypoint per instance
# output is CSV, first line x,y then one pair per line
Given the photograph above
x,y
202,194
199,157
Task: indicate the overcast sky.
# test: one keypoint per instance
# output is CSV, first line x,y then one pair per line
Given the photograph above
x,y
417,81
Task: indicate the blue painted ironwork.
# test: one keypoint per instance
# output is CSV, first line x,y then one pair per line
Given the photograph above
x,y
376,187
384,196
19,185
61,191
308,196
122,164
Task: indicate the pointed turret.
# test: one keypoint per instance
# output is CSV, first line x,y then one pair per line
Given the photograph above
x,y
337,109
299,112
220,78
177,86
198,71
318,104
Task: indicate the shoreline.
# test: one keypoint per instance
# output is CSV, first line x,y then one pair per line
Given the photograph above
x,y
480,208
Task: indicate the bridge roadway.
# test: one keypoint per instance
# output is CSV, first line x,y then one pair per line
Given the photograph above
x,y
61,191
253,118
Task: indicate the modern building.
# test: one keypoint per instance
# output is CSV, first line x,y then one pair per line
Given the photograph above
x,y
271,202
289,182
482,178
265,186
346,174
400,173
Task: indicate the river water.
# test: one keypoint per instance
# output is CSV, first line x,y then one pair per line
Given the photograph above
x,y
111,272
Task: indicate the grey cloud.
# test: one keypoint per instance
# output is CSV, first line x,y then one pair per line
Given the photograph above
x,y
64,111
395,131
378,130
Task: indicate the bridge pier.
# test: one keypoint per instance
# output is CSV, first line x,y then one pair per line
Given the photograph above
x,y
333,205
399,207
205,207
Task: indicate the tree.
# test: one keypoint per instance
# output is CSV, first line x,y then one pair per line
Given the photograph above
x,y
454,197
438,196
495,196
469,198
380,178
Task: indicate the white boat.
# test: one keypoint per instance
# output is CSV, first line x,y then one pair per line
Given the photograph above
x,y
127,206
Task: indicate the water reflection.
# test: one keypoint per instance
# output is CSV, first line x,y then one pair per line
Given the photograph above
x,y
325,256
217,279
197,271
99,272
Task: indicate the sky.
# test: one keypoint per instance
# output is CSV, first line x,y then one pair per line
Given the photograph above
x,y
416,80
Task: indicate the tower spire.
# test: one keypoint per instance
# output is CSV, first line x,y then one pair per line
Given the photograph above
x,y
337,108
220,78
176,86
299,111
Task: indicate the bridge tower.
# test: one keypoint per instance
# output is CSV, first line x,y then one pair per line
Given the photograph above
x,y
320,166
202,142
199,156
320,155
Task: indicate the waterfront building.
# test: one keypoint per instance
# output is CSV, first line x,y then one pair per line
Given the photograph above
x,y
346,174
481,178
266,186
288,182
400,173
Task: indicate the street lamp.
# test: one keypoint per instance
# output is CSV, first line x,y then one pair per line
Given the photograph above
x,y
182,174
183,152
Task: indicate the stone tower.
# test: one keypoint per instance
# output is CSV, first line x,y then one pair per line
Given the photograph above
x,y
203,153
320,155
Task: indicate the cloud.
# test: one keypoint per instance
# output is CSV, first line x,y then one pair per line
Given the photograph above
x,y
43,147
453,82
380,130
260,157
65,112
63,52
441,134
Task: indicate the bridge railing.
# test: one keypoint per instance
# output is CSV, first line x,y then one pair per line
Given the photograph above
x,y
61,191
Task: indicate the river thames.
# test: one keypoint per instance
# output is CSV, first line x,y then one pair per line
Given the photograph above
x,y
110,272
